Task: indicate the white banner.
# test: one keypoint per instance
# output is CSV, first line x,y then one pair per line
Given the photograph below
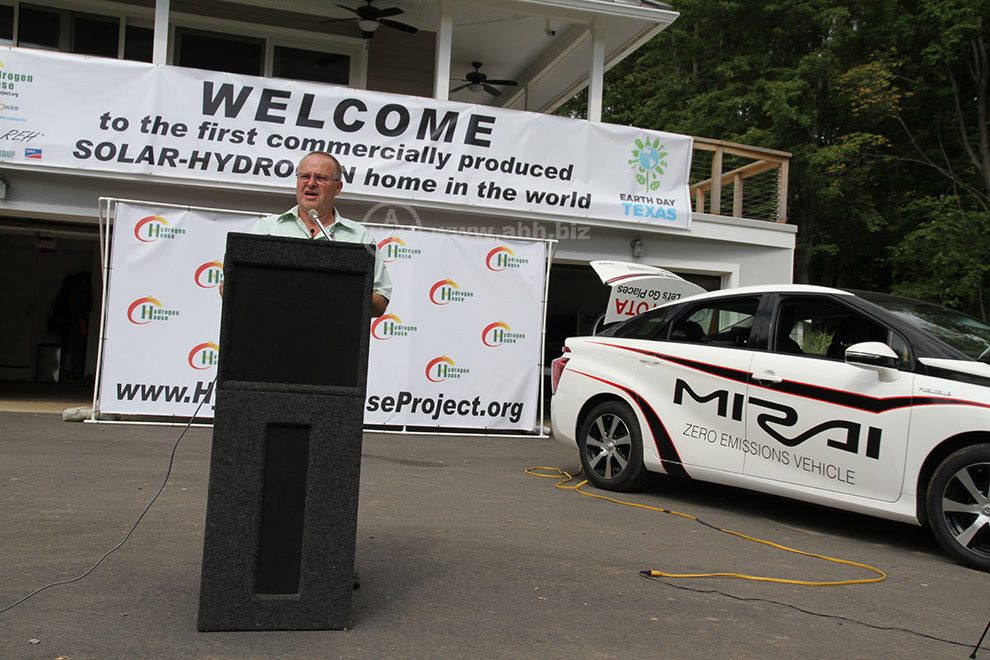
x,y
458,348
460,343
162,323
67,111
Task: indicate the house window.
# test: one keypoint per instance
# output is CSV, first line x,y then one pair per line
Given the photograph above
x,y
139,43
95,35
311,65
38,27
74,32
6,25
216,51
212,44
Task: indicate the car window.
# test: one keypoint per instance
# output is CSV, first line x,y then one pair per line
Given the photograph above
x,y
716,322
644,326
818,327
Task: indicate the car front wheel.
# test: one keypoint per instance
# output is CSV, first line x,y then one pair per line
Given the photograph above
x,y
958,505
612,447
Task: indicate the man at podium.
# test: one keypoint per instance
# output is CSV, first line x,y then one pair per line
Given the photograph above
x,y
318,182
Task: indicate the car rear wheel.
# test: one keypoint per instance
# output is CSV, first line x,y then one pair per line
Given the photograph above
x,y
958,506
612,447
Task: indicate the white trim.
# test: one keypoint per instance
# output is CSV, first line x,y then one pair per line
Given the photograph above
x,y
597,68
94,420
268,65
121,35
610,8
543,332
104,7
359,67
186,207
441,68
160,49
729,272
105,273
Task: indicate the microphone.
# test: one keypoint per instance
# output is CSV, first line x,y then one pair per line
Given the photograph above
x,y
315,217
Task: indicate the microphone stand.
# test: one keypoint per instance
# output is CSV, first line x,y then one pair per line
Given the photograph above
x,y
315,217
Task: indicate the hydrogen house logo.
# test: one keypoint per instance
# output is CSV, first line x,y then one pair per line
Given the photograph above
x,y
145,310
648,162
445,292
154,227
501,258
444,368
209,275
12,81
390,325
394,248
204,356
498,334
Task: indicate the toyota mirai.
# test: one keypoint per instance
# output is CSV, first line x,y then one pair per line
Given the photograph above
x,y
861,401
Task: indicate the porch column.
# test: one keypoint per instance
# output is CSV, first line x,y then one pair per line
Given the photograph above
x,y
160,52
597,71
441,70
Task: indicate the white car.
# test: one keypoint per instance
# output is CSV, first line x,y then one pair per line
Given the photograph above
x,y
860,401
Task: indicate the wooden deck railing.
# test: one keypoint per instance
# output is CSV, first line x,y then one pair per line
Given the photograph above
x,y
756,177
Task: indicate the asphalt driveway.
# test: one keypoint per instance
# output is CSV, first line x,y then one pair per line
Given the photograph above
x,y
461,555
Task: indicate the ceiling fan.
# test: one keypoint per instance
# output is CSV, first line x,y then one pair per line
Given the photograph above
x,y
477,81
369,17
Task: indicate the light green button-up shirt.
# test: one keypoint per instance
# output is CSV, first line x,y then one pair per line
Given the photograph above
x,y
343,230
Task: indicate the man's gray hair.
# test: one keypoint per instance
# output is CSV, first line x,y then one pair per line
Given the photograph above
x,y
333,159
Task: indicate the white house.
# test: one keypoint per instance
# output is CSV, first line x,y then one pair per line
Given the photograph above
x,y
535,54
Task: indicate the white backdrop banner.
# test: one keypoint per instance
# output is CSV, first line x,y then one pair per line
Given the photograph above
x,y
162,324
458,348
67,111
460,345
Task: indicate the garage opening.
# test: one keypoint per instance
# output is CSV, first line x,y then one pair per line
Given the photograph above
x,y
51,303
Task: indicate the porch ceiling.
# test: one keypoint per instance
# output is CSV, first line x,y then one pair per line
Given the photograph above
x,y
545,45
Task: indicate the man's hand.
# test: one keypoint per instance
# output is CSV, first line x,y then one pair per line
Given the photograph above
x,y
378,304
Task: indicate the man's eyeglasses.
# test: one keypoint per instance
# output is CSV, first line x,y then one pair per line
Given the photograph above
x,y
319,179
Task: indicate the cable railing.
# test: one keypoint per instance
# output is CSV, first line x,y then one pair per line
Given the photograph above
x,y
739,181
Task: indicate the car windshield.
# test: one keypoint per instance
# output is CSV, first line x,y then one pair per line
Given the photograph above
x,y
966,334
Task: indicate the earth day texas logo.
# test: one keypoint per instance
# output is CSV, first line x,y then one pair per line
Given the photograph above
x,y
648,163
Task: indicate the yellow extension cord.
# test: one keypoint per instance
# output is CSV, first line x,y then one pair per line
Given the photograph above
x,y
565,478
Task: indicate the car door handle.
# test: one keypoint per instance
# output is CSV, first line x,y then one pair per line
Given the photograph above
x,y
649,361
767,378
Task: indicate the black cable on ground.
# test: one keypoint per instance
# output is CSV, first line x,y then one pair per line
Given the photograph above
x,y
137,522
646,575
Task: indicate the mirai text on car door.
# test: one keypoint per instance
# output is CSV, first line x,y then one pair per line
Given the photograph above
x,y
695,377
818,421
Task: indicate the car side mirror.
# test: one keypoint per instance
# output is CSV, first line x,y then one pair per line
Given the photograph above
x,y
876,356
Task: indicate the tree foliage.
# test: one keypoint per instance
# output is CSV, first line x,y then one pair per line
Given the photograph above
x,y
884,106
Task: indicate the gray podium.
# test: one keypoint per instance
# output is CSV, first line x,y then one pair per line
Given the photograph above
x,y
281,516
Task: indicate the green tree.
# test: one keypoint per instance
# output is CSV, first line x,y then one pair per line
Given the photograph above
x,y
883,105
